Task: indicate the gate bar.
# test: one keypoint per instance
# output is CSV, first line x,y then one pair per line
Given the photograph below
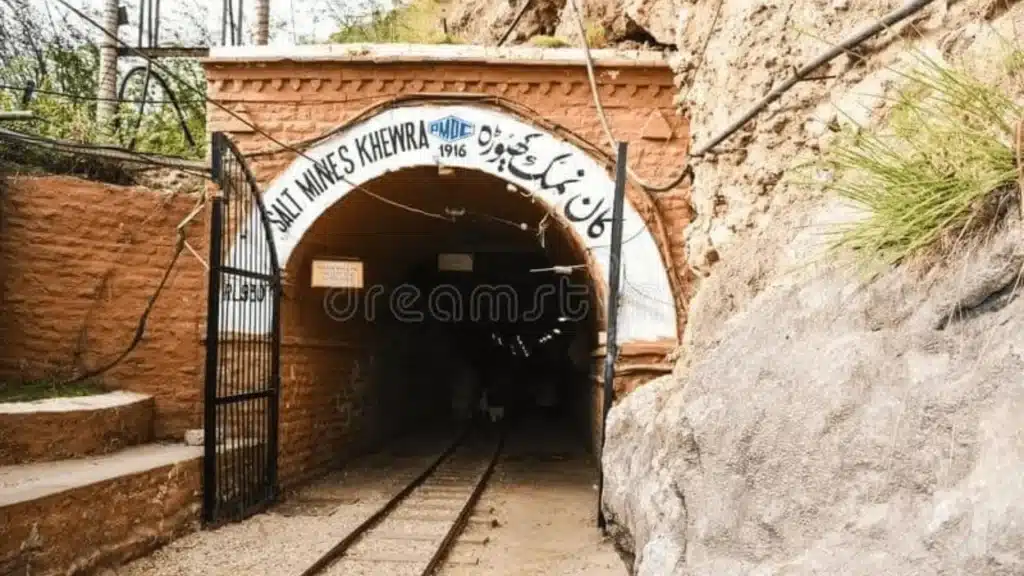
x,y
611,345
210,386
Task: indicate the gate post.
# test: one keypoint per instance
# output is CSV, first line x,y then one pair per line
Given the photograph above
x,y
212,344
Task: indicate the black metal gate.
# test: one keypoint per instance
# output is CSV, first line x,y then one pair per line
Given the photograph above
x,y
242,347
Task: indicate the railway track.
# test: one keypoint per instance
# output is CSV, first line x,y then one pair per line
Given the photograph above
x,y
412,533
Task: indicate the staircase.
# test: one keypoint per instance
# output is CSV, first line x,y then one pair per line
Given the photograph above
x,y
83,486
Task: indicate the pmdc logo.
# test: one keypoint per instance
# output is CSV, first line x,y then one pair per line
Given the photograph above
x,y
452,128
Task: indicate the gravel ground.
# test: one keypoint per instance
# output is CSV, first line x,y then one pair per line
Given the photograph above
x,y
291,536
538,514
536,517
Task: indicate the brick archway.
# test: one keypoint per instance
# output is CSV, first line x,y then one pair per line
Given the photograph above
x,y
574,186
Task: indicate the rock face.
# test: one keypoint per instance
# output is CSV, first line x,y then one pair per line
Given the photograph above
x,y
648,21
820,423
837,430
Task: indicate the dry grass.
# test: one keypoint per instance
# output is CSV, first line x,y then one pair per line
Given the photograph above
x,y
548,42
412,22
941,172
597,37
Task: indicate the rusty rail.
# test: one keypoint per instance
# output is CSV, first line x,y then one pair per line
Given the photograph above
x,y
339,549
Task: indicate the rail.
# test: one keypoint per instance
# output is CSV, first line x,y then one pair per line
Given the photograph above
x,y
439,555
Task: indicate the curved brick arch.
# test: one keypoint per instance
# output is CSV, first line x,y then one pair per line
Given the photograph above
x,y
576,187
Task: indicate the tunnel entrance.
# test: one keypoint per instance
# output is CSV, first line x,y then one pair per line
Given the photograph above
x,y
474,301
431,255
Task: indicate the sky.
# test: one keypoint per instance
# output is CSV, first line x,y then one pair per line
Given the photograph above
x,y
194,21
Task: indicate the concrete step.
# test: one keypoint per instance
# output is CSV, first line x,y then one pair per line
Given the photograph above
x,y
87,513
59,428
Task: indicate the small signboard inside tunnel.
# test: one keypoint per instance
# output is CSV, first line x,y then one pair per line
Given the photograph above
x,y
337,274
455,262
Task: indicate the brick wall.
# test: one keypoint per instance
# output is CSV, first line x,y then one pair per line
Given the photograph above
x,y
295,101
107,523
80,260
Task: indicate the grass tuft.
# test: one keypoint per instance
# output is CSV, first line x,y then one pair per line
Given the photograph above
x,y
409,21
944,171
31,390
597,37
542,41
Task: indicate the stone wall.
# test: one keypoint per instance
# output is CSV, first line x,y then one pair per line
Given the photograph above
x,y
80,260
822,422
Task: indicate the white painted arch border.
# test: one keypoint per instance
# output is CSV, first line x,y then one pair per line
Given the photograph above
x,y
567,179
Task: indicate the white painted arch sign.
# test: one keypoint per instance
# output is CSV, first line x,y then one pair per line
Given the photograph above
x,y
567,179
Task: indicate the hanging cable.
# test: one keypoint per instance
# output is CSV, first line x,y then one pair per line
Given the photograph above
x,y
846,46
140,329
250,125
185,165
32,90
704,50
147,68
142,108
603,118
515,22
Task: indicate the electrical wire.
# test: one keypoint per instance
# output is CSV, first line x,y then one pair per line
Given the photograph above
x,y
150,74
845,46
108,152
140,328
704,50
233,114
603,117
515,22
91,98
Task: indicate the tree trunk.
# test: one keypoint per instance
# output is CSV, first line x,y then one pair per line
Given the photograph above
x,y
106,88
262,35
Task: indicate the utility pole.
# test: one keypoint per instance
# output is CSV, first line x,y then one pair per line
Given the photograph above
x,y
106,88
262,35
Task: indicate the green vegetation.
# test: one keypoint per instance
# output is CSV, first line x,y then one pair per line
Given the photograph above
x,y
942,173
65,106
47,388
548,42
410,22
1014,62
597,37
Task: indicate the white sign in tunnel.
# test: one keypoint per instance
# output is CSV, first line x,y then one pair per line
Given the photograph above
x,y
565,178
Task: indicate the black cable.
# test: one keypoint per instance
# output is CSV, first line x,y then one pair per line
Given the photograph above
x,y
845,46
515,22
182,122
87,98
91,98
170,73
26,97
142,107
140,328
111,151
